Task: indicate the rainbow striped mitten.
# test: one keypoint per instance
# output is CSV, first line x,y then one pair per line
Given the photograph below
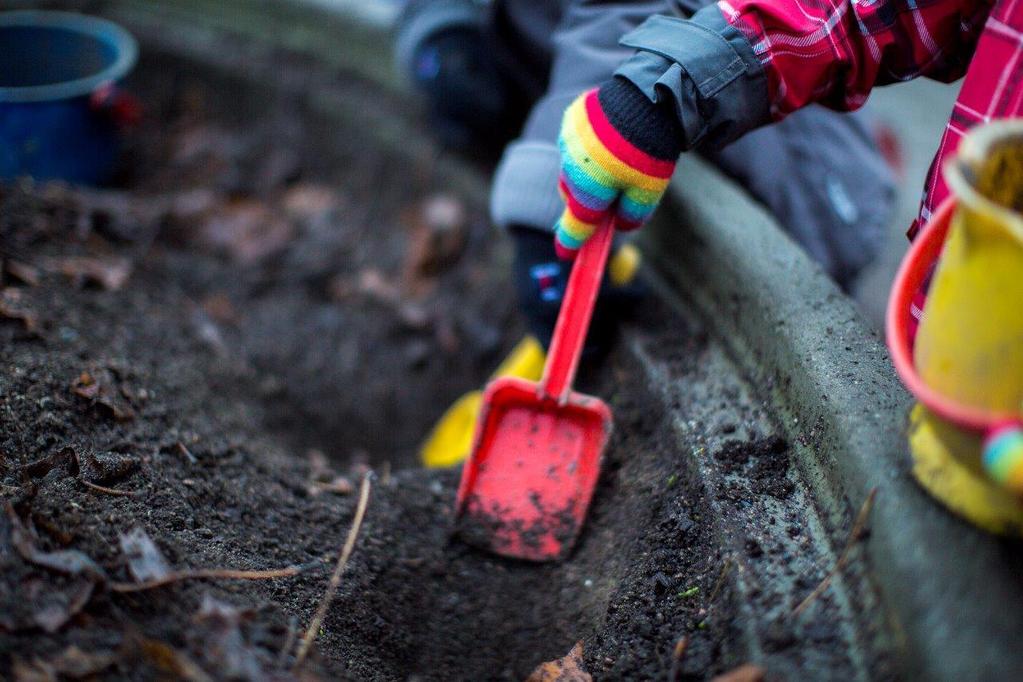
x,y
618,151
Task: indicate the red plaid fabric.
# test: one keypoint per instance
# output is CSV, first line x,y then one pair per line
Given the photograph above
x,y
834,51
991,91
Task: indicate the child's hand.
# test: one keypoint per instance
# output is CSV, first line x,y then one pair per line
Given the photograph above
x,y
618,151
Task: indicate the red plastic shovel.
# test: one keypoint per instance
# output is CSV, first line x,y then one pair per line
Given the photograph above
x,y
527,484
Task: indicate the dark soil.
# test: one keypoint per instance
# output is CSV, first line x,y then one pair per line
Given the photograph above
x,y
295,314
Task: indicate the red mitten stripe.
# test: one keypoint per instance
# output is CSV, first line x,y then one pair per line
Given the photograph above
x,y
578,209
622,148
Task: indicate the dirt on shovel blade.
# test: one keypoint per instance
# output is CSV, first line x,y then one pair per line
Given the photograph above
x,y
200,365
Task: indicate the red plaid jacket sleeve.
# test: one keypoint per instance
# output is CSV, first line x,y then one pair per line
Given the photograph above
x,y
834,51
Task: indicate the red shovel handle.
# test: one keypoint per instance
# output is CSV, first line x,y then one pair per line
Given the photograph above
x,y
574,316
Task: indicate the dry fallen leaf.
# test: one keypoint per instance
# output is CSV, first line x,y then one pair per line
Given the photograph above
x,y
170,661
323,479
28,274
374,283
71,663
222,643
66,456
744,673
339,485
12,307
246,230
42,601
308,202
318,465
106,466
567,669
145,562
66,561
98,388
85,386
109,272
219,307
436,241
45,603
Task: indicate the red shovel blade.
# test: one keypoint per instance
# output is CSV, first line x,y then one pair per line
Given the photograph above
x,y
527,485
525,491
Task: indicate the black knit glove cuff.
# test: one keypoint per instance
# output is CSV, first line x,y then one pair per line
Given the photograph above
x,y
651,127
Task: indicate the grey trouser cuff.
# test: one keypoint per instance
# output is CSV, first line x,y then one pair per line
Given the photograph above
x,y
525,187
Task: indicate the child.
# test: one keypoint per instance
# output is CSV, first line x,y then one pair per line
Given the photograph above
x,y
483,66
741,64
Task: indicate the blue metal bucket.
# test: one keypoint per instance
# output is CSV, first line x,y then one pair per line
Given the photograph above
x,y
51,64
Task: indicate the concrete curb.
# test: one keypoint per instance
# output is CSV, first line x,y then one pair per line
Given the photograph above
x,y
945,587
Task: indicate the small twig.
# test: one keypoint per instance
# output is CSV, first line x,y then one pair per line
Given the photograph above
x,y
677,654
214,573
180,448
720,582
855,535
335,579
109,491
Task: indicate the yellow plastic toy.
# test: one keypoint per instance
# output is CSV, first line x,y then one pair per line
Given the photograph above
x,y
624,264
451,439
947,464
966,368
970,343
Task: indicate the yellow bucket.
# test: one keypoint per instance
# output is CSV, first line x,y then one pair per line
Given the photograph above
x,y
967,364
970,343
